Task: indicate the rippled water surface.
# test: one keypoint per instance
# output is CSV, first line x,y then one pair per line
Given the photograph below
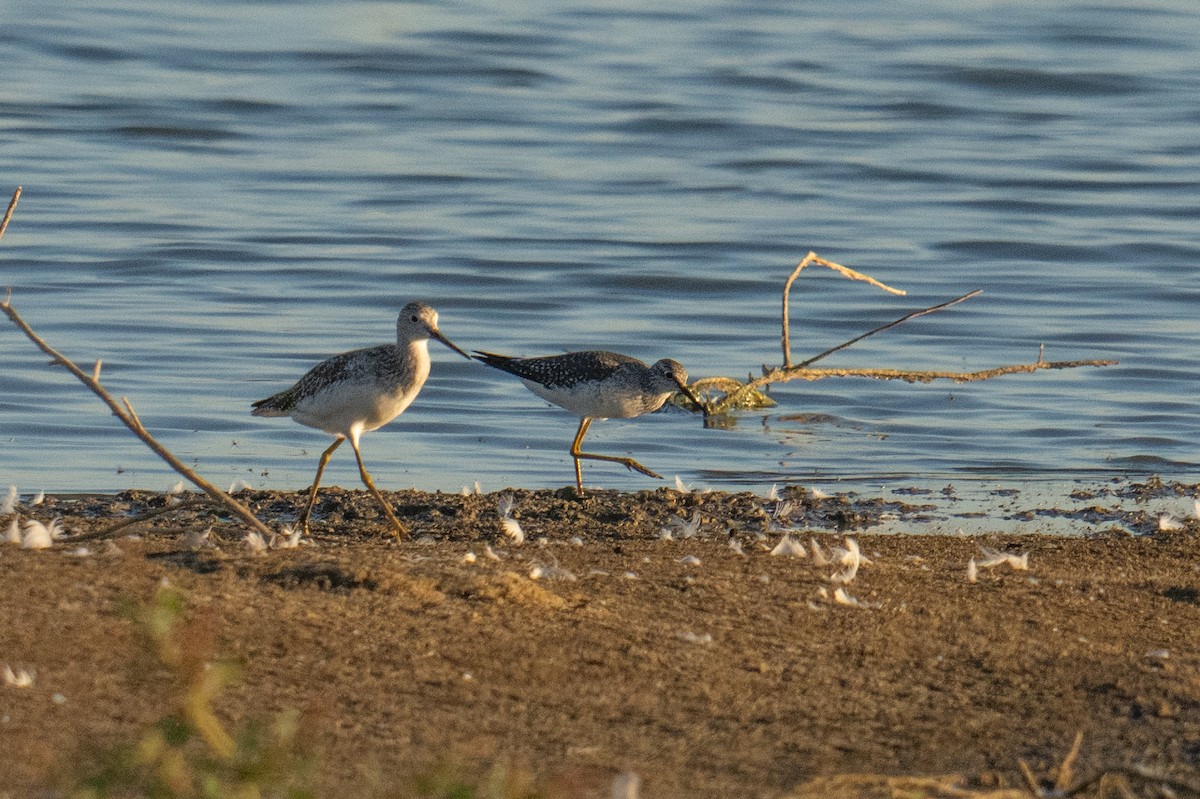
x,y
219,195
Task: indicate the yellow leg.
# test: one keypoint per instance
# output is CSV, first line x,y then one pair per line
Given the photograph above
x,y
397,528
312,495
628,463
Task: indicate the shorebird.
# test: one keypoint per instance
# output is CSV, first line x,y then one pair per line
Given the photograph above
x,y
597,385
360,391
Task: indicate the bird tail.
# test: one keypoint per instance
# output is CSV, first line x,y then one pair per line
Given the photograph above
x,y
495,360
271,406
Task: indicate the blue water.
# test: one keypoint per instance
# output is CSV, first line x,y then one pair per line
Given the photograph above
x,y
219,195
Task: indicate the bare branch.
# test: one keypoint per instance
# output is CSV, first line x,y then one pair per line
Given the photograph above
x,y
1066,769
130,419
12,206
813,258
1031,783
890,325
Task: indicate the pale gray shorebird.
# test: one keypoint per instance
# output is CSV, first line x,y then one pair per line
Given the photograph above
x,y
360,391
597,385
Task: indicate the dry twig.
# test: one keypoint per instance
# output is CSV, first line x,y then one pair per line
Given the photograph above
x,y
813,258
12,205
1107,781
126,414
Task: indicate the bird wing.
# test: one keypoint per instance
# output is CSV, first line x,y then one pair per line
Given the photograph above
x,y
560,370
357,366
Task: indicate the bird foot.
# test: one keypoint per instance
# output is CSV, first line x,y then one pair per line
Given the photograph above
x,y
634,466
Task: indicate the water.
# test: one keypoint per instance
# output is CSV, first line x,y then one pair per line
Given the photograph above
x,y
218,196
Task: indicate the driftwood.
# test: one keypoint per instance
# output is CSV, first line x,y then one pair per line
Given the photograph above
x,y
123,410
736,394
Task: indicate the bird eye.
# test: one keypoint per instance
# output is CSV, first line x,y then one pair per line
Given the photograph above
x,y
414,318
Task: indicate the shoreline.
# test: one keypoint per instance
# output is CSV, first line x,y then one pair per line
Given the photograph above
x,y
1101,507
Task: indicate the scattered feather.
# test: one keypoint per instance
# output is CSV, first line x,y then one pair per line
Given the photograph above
x,y
850,554
736,546
818,555
541,571
630,575
478,490
788,547
692,526
626,786
175,489
194,539
681,487
819,494
994,557
35,535
690,560
1169,524
290,539
693,638
80,552
469,557
1195,508
575,541
510,526
972,571
490,553
781,515
9,505
255,541
238,485
513,530
1159,654
38,498
851,558
17,679
773,494
842,598
13,536
845,576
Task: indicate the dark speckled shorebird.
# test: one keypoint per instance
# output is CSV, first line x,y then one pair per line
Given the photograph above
x,y
597,385
360,391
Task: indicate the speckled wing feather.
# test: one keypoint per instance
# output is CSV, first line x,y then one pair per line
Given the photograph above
x,y
359,366
561,371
